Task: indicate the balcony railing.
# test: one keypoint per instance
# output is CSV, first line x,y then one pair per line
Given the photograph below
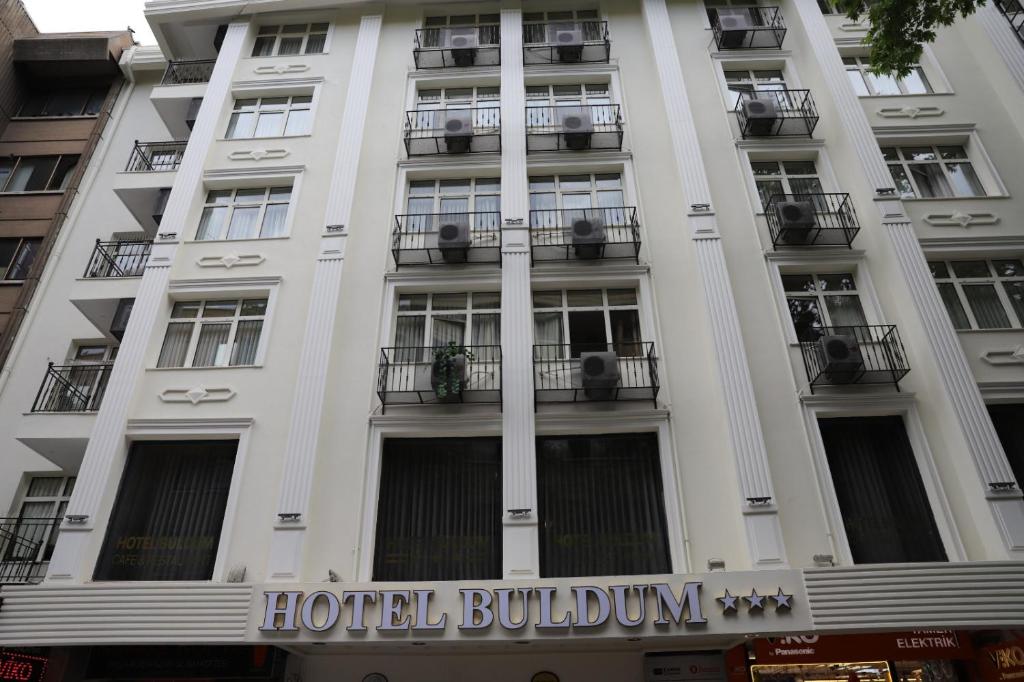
x,y
421,376
584,234
844,355
118,259
25,547
73,388
447,238
745,28
811,220
776,113
574,127
148,157
1014,13
453,131
595,372
444,47
186,72
566,42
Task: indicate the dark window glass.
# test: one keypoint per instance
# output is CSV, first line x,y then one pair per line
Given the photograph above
x,y
35,105
1009,423
23,259
439,510
32,174
67,103
601,506
169,511
885,508
65,169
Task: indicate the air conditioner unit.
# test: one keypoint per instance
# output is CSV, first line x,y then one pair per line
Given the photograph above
x,y
568,40
599,374
588,237
796,221
453,240
733,25
761,113
193,112
463,41
841,359
577,127
160,204
119,323
458,130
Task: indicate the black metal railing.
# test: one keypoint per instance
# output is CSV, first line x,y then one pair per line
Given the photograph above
x,y
457,46
25,546
147,157
118,259
595,372
567,42
744,28
778,113
1014,13
844,355
413,376
447,238
453,131
811,220
188,71
573,126
585,233
73,388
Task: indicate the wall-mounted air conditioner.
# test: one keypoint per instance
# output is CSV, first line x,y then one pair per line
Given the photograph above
x,y
453,240
589,237
458,130
599,374
733,25
193,112
796,221
577,127
463,41
761,113
160,204
841,359
568,41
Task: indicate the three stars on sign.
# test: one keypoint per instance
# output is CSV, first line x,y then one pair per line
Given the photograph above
x,y
755,601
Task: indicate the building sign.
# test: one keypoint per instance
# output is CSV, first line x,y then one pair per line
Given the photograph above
x,y
19,667
1002,662
880,646
673,667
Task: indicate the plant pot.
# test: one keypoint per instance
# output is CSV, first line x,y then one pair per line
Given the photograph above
x,y
456,371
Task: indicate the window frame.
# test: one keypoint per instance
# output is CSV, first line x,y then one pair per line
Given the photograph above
x,y
861,66
259,111
815,151
783,177
437,195
261,216
305,36
197,323
564,309
728,62
906,164
56,166
429,314
820,296
50,94
58,506
5,269
993,278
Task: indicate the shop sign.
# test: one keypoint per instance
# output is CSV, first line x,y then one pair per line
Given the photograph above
x,y
876,646
671,667
19,667
1003,662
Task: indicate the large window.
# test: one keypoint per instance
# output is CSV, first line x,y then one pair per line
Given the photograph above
x,y
457,196
439,510
739,81
588,320
488,28
63,103
601,506
885,508
17,256
290,39
459,98
550,194
271,117
826,300
592,97
258,213
981,294
933,171
213,333
36,173
38,514
167,517
535,24
785,177
866,83
433,320
1009,422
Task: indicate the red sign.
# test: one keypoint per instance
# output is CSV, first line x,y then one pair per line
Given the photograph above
x,y
17,667
876,646
1003,662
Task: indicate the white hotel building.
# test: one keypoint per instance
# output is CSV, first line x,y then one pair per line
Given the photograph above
x,y
554,341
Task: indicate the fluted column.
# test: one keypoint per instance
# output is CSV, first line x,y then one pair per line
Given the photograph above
x,y
287,541
105,452
1005,40
760,514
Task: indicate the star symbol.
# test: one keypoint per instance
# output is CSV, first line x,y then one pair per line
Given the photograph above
x,y
782,600
728,602
754,601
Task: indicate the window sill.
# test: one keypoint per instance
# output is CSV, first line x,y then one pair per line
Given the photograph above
x,y
935,199
287,56
12,282
33,193
1000,330
236,241
272,137
77,117
900,96
201,369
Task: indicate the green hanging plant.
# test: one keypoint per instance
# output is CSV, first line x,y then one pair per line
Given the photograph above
x,y
448,371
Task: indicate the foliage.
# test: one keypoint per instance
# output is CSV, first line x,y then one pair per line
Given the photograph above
x,y
449,381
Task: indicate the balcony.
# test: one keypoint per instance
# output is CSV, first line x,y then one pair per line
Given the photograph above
x,y
188,72
573,127
748,28
566,42
457,46
584,234
73,388
453,131
427,376
842,356
1014,13
447,238
25,547
591,372
149,157
776,113
118,259
811,220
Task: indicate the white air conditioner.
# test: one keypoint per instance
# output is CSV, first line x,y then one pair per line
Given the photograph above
x,y
577,126
588,236
599,374
761,113
841,359
733,25
463,41
458,130
796,221
453,239
568,40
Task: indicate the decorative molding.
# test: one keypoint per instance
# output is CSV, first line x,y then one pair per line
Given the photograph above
x,y
258,154
230,260
202,425
910,112
1004,39
214,284
280,69
230,175
276,84
853,26
196,395
1001,358
937,245
960,219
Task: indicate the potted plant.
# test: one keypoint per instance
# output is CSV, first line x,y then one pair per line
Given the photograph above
x,y
448,371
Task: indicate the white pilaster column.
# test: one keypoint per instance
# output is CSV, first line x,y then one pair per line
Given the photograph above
x,y
105,453
760,514
1006,42
960,386
518,452
286,546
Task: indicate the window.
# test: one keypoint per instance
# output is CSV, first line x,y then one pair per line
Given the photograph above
x,y
866,83
17,256
1009,423
488,28
588,320
290,39
785,177
63,103
486,101
982,294
213,333
432,320
601,506
751,80
550,194
535,25
271,117
817,301
427,198
884,505
439,510
540,99
36,173
38,515
169,511
933,171
258,213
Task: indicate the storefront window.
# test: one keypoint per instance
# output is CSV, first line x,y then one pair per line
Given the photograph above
x,y
877,671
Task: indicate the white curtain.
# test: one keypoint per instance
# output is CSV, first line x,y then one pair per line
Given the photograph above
x,y
172,354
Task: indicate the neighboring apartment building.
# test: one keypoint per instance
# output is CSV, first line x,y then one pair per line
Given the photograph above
x,y
634,340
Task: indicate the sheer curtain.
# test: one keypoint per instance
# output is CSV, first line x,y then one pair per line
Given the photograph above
x,y
954,307
172,353
211,350
845,311
273,220
247,340
985,304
